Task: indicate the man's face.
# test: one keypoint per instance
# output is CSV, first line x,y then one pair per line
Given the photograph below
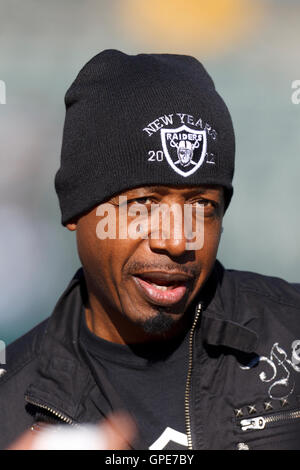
x,y
144,285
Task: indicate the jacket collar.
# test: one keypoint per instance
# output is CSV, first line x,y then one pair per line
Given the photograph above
x,y
221,322
220,332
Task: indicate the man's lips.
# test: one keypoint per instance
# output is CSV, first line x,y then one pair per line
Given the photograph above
x,y
163,288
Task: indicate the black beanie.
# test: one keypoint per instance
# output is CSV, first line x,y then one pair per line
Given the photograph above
x,y
137,120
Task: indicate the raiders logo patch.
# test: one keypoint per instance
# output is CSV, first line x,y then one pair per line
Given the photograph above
x,y
184,149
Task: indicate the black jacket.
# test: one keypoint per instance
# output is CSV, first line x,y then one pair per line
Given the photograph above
x,y
244,387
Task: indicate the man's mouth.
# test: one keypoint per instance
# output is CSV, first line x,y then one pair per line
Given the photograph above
x,y
163,288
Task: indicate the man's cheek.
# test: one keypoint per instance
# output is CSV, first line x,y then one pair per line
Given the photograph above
x,y
212,235
207,255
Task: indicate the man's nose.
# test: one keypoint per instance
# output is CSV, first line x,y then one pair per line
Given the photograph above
x,y
175,247
167,232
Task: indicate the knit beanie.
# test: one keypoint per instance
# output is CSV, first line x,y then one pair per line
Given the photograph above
x,y
137,120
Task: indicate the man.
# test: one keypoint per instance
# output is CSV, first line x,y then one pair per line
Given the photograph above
x,y
199,356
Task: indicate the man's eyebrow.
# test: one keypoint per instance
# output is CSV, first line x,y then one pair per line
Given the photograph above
x,y
191,191
150,189
164,189
139,192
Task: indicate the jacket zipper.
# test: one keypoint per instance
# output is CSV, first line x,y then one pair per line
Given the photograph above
x,y
260,422
56,413
188,381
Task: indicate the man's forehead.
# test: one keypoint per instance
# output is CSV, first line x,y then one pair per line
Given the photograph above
x,y
168,189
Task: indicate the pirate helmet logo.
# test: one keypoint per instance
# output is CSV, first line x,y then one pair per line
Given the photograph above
x,y
184,149
184,152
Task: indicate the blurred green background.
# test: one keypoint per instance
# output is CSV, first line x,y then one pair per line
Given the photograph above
x,y
250,47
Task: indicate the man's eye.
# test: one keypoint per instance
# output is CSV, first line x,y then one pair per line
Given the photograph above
x,y
205,202
141,200
210,207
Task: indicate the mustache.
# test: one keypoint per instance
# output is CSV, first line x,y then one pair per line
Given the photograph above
x,y
135,267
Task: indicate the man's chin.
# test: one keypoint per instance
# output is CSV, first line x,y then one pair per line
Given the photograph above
x,y
161,323
158,324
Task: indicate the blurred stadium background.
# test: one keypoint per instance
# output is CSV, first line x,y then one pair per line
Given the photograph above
x,y
250,47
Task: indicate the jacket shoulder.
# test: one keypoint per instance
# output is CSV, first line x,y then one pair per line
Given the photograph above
x,y
271,287
23,350
19,370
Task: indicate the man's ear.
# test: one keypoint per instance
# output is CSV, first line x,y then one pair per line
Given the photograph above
x,y
72,226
